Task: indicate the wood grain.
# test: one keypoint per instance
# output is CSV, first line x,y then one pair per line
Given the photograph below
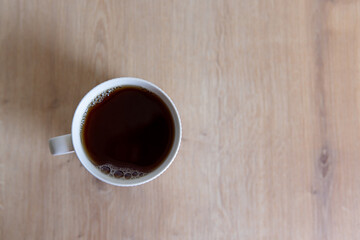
x,y
268,93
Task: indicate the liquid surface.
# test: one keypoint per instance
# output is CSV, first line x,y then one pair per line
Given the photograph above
x,y
129,133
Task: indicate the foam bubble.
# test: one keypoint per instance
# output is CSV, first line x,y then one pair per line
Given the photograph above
x,y
105,169
116,172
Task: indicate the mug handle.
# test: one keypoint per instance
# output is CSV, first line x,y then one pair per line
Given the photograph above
x,y
61,145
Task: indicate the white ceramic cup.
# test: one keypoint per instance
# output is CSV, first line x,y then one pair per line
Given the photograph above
x,y
72,142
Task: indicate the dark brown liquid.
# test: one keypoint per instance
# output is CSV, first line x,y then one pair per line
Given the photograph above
x,y
131,128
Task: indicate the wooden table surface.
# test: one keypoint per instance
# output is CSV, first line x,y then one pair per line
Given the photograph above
x,y
268,93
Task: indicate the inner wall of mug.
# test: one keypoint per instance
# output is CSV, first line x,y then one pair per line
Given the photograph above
x,y
93,97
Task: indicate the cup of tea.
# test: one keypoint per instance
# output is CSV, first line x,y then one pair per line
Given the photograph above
x,y
125,132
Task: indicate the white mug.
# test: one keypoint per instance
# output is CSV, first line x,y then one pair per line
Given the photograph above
x,y
72,142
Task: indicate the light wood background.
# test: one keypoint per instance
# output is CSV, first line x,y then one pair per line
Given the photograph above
x,y
268,92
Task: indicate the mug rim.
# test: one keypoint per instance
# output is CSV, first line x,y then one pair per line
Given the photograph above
x,y
77,122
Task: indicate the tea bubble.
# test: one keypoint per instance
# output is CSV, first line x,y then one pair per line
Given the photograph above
x,y
116,172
